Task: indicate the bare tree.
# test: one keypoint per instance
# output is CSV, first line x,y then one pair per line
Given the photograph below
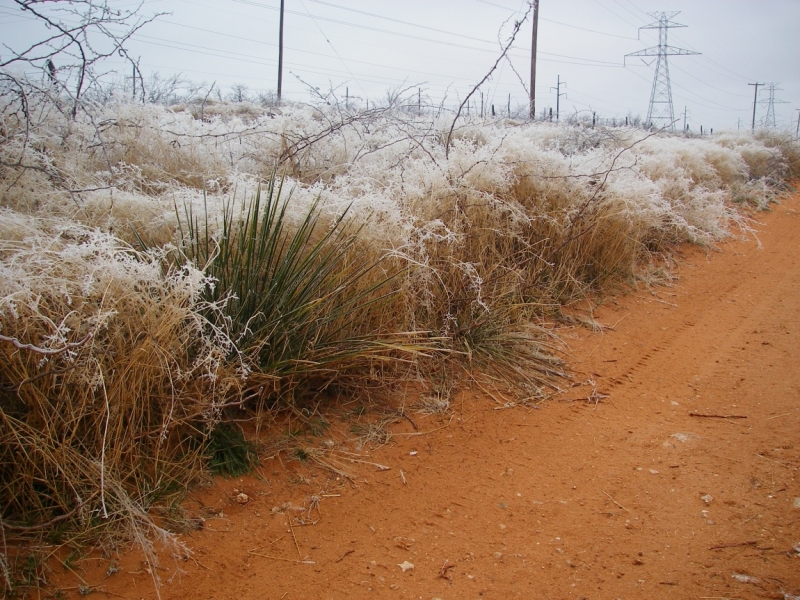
x,y
268,98
76,36
239,93
172,89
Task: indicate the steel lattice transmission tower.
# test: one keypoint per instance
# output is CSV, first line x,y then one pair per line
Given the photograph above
x,y
769,120
660,112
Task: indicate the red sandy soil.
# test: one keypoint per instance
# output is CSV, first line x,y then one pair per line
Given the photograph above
x,y
678,478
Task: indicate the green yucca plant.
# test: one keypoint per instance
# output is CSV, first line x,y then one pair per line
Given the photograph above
x,y
296,302
229,453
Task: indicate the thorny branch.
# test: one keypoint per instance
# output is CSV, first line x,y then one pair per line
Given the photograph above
x,y
83,35
517,26
46,351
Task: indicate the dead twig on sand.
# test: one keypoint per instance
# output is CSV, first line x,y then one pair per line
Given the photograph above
x,y
443,572
615,502
296,545
734,545
343,556
695,414
289,560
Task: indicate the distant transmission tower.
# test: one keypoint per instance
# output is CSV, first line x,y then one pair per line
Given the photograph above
x,y
660,113
769,120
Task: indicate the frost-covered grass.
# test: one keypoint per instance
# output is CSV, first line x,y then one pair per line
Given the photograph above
x,y
122,322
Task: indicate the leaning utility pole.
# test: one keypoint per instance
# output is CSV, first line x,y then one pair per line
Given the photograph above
x,y
280,56
532,113
660,109
755,102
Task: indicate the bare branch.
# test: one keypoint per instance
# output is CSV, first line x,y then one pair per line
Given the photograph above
x,y
517,25
85,32
46,351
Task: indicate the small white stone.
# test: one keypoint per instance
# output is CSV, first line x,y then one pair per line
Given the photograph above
x,y
742,578
405,566
707,498
796,503
685,437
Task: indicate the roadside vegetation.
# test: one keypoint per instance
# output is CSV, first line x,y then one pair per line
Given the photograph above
x,y
163,265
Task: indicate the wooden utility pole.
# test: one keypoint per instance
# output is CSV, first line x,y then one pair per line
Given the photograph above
x,y
755,102
559,93
532,113
797,132
280,56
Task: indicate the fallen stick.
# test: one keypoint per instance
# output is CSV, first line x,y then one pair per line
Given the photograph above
x,y
289,560
615,502
296,545
694,414
659,301
341,558
734,545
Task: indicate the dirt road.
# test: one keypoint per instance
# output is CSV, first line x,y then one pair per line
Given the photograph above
x,y
681,483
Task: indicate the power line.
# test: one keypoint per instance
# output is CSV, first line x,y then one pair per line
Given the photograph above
x,y
624,37
587,61
615,14
329,43
228,54
369,14
629,10
685,72
709,59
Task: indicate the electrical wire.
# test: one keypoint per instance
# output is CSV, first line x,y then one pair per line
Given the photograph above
x,y
369,14
420,38
685,72
615,14
333,48
635,16
720,107
300,67
554,21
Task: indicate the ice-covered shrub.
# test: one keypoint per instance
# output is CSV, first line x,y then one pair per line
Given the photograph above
x,y
111,376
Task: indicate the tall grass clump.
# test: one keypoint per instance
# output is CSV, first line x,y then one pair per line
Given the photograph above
x,y
110,372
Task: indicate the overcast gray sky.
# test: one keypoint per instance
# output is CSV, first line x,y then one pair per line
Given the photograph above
x,y
444,47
